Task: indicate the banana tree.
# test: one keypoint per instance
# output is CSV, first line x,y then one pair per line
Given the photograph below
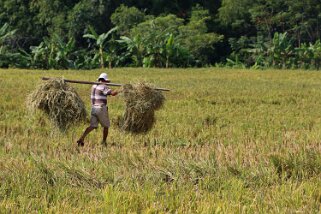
x,y
169,49
316,49
281,49
5,33
135,48
160,49
304,55
53,53
101,41
5,54
63,52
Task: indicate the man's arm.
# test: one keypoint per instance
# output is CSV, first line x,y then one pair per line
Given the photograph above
x,y
108,91
113,92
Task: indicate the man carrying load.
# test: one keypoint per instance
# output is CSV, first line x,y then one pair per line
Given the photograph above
x,y
99,109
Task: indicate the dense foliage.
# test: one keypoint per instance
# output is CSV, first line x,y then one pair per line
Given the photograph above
x,y
84,34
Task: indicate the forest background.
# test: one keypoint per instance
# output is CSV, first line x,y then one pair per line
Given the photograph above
x,y
88,34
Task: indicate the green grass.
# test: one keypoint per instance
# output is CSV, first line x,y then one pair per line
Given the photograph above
x,y
226,141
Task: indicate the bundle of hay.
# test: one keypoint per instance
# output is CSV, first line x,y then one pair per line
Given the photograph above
x,y
141,102
59,101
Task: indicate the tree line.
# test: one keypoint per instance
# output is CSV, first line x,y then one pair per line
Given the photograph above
x,y
86,34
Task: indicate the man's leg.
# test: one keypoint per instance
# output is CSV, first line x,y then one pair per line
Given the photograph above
x,y
105,135
104,121
93,125
87,131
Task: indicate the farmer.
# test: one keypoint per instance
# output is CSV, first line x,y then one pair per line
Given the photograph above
x,y
99,109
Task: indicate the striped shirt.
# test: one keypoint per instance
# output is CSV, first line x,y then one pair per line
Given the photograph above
x,y
99,94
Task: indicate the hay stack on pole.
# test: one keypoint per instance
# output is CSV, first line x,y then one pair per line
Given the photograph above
x,y
142,100
59,101
64,106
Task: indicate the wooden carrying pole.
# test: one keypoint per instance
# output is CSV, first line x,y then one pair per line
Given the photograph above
x,y
92,83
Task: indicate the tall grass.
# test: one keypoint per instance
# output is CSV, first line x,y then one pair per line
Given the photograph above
x,y
226,141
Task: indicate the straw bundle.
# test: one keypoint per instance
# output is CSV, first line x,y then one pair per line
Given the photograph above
x,y
141,102
59,101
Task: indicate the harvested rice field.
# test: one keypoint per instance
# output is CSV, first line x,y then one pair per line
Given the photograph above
x,y
224,141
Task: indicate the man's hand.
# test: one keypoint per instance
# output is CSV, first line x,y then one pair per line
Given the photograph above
x,y
114,93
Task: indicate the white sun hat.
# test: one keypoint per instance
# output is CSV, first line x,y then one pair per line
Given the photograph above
x,y
103,76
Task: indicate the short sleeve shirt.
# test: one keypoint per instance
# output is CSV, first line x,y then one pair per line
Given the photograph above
x,y
99,94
